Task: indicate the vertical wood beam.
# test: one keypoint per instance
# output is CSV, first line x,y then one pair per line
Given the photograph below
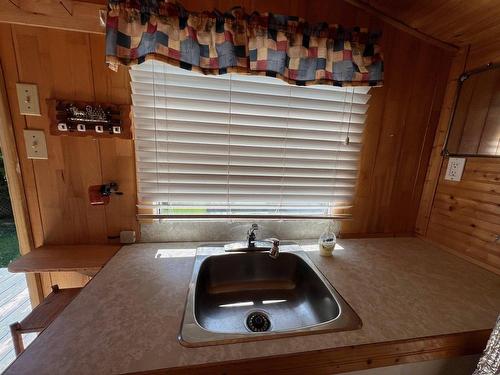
x,y
436,159
16,189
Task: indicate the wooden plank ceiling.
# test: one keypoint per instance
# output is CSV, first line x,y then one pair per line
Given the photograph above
x,y
455,22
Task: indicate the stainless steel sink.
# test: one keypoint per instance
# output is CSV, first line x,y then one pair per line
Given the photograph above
x,y
250,296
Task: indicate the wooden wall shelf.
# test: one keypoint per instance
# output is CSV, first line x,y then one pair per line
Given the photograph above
x,y
86,259
119,116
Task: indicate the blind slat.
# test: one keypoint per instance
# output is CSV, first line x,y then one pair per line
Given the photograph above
x,y
148,150
256,122
217,101
271,199
201,111
247,93
147,83
245,189
151,181
254,162
243,170
255,141
167,134
333,141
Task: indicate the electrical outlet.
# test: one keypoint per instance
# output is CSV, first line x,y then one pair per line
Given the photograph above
x,y
455,169
27,96
36,146
127,236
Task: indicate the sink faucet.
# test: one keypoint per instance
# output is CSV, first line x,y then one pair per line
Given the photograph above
x,y
275,248
251,235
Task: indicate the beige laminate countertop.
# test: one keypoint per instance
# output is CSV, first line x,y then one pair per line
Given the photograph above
x,y
127,319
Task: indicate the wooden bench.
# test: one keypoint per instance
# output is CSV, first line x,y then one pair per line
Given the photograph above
x,y
42,315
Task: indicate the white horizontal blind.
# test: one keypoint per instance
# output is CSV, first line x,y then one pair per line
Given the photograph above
x,y
243,145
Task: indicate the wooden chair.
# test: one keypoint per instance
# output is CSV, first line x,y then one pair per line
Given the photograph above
x,y
42,315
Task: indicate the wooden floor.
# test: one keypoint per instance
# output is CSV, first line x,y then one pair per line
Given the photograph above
x,y
14,306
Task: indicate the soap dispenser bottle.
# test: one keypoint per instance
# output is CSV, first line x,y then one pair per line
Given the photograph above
x,y
327,240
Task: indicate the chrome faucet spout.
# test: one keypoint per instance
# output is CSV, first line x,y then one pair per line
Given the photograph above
x,y
251,235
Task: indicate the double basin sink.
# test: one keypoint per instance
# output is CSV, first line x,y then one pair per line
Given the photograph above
x,y
246,296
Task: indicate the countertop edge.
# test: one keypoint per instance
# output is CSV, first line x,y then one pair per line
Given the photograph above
x,y
346,358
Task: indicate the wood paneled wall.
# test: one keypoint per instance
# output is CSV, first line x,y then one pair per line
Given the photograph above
x,y
483,53
397,142
464,216
69,65
398,137
475,126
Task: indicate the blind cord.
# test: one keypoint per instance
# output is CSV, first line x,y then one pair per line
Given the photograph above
x,y
167,135
284,151
156,134
347,139
229,140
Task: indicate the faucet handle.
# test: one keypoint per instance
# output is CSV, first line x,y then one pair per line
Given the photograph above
x,y
275,250
274,241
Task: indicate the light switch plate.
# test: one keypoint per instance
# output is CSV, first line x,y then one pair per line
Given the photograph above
x,y
455,169
27,96
36,146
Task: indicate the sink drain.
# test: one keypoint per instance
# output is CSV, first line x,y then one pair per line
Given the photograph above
x,y
258,321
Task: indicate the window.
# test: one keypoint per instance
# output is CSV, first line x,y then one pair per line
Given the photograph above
x,y
243,145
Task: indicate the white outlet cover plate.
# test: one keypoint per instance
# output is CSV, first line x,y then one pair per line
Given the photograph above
x,y
455,169
27,96
36,146
127,236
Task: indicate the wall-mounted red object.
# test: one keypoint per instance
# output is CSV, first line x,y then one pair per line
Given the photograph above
x,y
100,194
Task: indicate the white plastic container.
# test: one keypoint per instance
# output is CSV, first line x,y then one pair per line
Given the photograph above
x,y
327,240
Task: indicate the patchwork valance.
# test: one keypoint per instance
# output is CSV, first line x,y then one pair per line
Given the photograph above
x,y
217,43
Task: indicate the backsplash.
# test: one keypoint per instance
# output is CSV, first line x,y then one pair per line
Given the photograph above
x,y
189,231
